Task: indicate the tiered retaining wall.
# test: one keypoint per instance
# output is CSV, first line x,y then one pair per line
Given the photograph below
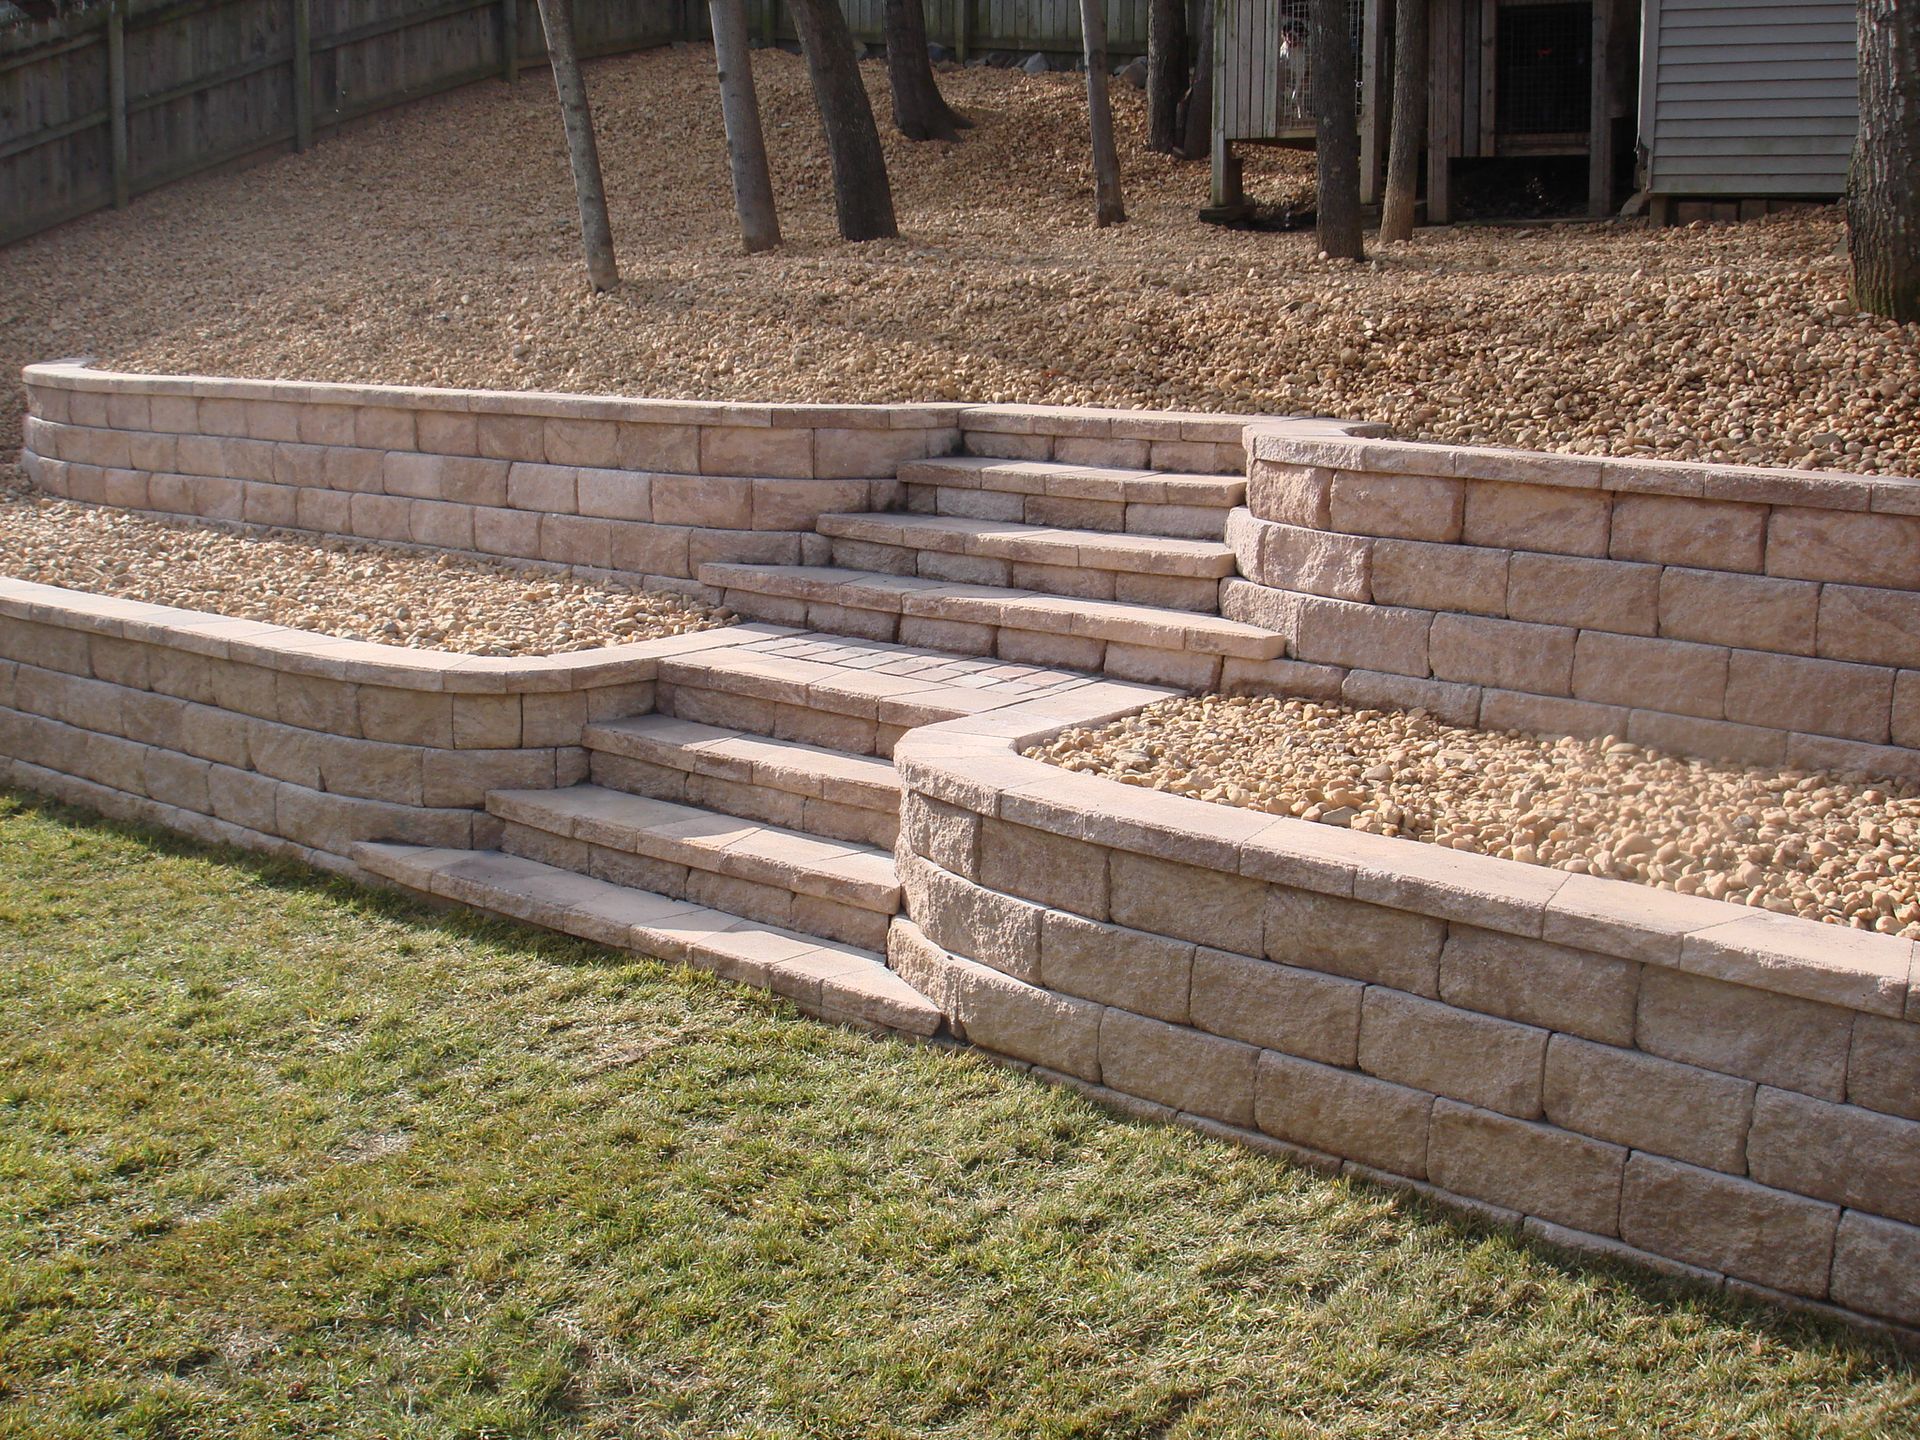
x,y
1729,1094
1771,616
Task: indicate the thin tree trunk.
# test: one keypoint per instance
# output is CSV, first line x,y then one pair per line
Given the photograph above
x,y
1108,209
1336,129
1199,137
861,194
1883,191
746,144
1409,116
596,231
1166,73
919,110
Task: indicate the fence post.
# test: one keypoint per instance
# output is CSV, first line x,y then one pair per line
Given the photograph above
x,y
117,100
510,39
963,25
302,74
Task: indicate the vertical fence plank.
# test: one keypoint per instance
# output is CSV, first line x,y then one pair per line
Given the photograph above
x,y
510,40
117,99
302,74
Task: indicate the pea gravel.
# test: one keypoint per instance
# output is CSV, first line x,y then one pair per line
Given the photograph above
x,y
437,245
382,593
1835,848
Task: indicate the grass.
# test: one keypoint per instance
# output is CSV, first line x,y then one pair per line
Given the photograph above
x,y
283,1156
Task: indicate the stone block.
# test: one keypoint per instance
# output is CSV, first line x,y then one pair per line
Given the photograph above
x,y
860,453
964,919
1291,558
1828,697
1353,938
799,504
1540,983
1367,637
1492,1063
1052,869
379,427
1676,530
743,450
942,833
1588,594
1536,517
1002,445
147,451
1174,1066
1526,1166
1672,675
1142,973
1852,1156
360,472
1343,1112
486,722
462,778
1686,735
709,501
437,523
1648,1103
1753,612
1279,1007
1092,450
550,489
1550,715
405,717
651,549
1449,702
381,517
1477,650
669,449
506,532
1850,547
1879,627
1291,494
1404,507
243,798
1883,1066
1876,1267
1038,647
594,443
1728,1224
1187,902
180,414
1460,578
459,478
447,432
1776,1039
319,425
242,459
576,540
511,437
1004,1015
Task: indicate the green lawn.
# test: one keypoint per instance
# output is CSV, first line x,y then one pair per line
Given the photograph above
x,y
280,1156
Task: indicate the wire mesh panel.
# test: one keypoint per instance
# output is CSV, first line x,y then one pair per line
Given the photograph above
x,y
1263,86
1543,64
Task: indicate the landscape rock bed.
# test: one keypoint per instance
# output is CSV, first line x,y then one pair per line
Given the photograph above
x,y
437,245
1835,848
378,593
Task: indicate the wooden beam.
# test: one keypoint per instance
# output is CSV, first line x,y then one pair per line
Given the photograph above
x,y
117,100
1600,136
302,74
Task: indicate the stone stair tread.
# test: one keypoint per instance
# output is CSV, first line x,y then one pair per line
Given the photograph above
x,y
853,874
1129,624
866,782
1075,482
1039,544
825,977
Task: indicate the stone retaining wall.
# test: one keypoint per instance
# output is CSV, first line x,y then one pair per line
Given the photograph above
x,y
276,739
645,488
1725,1093
1772,616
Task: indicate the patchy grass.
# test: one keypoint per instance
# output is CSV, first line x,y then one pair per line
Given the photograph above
x,y
281,1156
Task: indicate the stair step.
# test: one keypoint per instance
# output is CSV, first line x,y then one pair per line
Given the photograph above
x,y
1155,644
1086,497
1038,544
674,834
825,978
781,782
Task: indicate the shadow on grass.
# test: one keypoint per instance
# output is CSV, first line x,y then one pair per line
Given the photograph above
x,y
1796,1330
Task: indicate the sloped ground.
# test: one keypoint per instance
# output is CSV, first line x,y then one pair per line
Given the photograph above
x,y
436,245
286,1158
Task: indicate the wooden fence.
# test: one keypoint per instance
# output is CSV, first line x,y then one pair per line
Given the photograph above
x,y
107,103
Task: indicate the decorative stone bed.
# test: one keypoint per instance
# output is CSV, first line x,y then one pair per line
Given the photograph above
x,y
1716,1090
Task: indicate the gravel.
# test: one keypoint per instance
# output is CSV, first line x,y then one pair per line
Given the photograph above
x,y
437,245
1835,848
382,593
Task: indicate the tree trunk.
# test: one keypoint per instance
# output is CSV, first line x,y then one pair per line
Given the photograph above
x,y
1409,116
596,231
1108,208
919,110
861,194
746,145
1336,129
1199,137
1166,73
1883,191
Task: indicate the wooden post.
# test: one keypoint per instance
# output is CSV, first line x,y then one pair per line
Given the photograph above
x,y
1600,122
770,23
963,25
1444,79
1373,87
117,100
510,40
302,74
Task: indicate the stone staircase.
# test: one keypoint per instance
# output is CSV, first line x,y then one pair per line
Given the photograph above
x,y
747,825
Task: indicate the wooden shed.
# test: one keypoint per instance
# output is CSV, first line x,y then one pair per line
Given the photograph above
x,y
1749,101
